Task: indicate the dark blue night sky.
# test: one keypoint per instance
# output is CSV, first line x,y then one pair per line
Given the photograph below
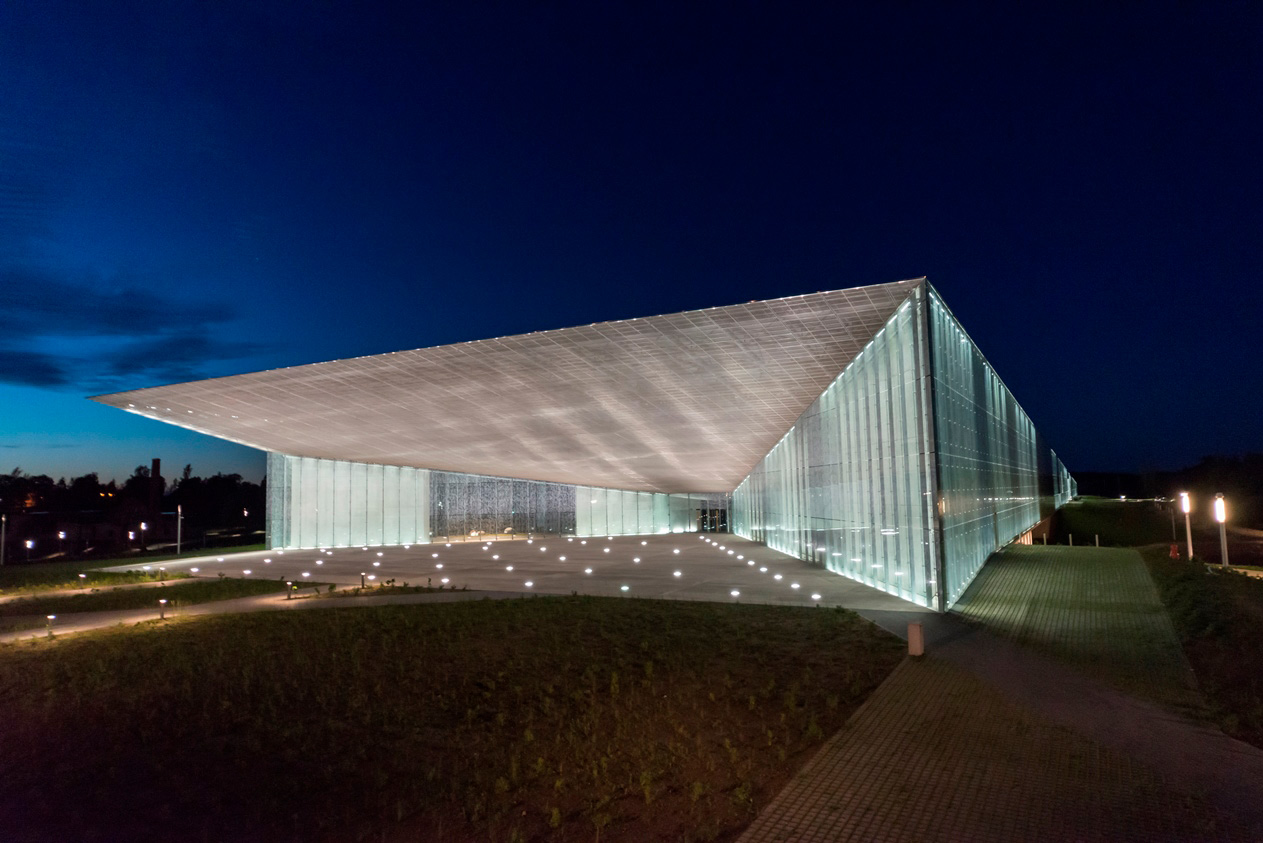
x,y
191,189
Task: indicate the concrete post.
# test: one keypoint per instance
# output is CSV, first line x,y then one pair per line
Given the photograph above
x,y
916,640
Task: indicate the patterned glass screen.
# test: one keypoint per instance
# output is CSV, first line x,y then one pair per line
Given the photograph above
x,y
849,487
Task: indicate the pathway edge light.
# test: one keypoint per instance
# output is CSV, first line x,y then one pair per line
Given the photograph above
x,y
1186,505
1221,515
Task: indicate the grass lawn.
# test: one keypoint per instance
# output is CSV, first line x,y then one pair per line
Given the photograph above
x,y
1118,523
1217,615
53,576
549,718
178,593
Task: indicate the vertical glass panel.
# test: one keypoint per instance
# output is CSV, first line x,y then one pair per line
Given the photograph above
x,y
324,503
308,479
373,505
341,504
408,505
358,532
390,505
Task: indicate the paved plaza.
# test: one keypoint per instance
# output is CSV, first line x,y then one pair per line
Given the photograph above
x,y
678,566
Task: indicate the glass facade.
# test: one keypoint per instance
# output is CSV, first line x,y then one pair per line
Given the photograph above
x,y
988,454
613,512
850,486
910,470
333,503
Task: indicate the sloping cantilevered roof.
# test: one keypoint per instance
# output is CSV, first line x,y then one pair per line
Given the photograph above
x,y
686,402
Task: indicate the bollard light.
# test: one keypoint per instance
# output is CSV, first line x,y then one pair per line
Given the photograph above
x,y
1221,515
162,608
1186,506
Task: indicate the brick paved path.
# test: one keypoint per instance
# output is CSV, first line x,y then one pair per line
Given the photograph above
x,y
938,755
1013,735
1095,609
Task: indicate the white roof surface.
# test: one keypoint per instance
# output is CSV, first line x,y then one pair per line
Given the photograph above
x,y
686,402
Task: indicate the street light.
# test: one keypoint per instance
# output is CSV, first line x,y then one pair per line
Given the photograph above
x,y
143,528
30,543
1187,506
1221,515
61,537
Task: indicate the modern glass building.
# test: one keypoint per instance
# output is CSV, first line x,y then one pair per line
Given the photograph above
x,y
860,430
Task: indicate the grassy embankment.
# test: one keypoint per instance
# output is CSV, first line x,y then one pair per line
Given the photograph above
x,y
566,719
1217,614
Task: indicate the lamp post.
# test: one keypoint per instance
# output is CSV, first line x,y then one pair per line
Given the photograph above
x,y
162,609
1221,515
4,524
179,527
1187,506
143,529
61,538
30,543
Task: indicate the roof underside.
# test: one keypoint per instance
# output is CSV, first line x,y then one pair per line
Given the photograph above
x,y
684,402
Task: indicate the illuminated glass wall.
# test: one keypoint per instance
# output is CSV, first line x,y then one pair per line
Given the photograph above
x,y
988,454
912,468
613,512
334,503
465,505
850,486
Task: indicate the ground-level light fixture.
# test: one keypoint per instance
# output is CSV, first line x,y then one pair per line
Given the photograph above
x,y
1221,515
1186,506
162,608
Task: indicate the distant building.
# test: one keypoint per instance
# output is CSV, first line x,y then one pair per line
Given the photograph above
x,y
859,429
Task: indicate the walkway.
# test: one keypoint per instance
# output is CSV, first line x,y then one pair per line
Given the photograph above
x,y
1006,731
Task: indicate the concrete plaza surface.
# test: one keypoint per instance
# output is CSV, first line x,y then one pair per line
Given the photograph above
x,y
679,566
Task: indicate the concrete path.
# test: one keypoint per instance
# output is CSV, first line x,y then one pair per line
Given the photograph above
x,y
303,600
1006,731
